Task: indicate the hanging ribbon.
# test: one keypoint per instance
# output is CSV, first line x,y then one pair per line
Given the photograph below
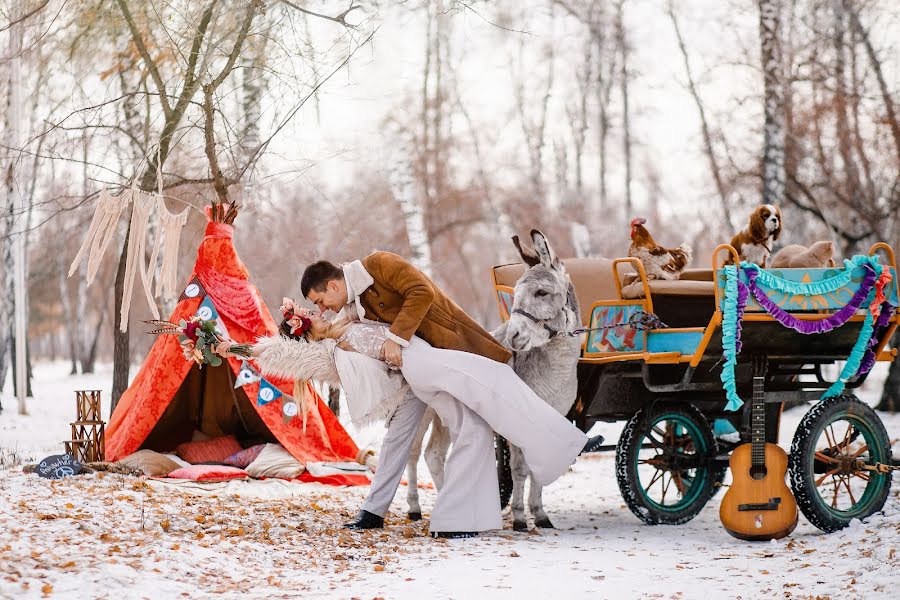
x,y
734,303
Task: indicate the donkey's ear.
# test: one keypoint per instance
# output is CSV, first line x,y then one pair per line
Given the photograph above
x,y
528,256
544,251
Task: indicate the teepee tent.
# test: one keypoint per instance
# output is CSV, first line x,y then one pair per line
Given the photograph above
x,y
170,397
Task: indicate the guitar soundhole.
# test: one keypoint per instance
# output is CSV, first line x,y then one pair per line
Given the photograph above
x,y
758,471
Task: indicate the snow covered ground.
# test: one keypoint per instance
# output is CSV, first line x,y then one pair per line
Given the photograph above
x,y
114,537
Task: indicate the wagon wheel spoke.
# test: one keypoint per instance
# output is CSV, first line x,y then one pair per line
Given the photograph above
x,y
679,483
845,443
656,461
861,474
825,458
846,481
860,451
666,489
834,496
653,480
657,442
822,478
830,438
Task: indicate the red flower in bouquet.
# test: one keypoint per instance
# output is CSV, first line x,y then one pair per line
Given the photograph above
x,y
297,318
190,330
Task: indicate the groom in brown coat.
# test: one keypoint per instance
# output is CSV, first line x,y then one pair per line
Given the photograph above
x,y
384,287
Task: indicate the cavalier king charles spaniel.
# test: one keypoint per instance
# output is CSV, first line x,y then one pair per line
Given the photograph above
x,y
754,244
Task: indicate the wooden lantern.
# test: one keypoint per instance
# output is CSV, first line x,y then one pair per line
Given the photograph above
x,y
88,443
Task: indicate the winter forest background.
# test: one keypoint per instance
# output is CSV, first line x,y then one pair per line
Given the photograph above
x,y
435,129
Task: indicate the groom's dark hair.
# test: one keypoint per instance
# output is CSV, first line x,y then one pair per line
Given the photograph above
x,y
317,275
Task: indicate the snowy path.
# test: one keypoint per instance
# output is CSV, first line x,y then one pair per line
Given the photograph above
x,y
112,537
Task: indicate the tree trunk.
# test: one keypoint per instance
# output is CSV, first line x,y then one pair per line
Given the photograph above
x,y
773,127
714,169
89,358
29,375
121,339
890,395
626,114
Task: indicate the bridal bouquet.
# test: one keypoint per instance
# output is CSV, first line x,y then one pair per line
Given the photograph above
x,y
296,318
198,339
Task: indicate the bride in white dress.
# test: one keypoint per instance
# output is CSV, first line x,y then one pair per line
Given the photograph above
x,y
491,390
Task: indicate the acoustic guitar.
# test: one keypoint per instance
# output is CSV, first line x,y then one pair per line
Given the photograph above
x,y
758,505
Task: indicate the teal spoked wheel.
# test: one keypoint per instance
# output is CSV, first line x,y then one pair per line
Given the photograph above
x,y
665,464
834,444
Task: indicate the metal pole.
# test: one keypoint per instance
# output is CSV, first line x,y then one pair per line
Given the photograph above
x,y
18,239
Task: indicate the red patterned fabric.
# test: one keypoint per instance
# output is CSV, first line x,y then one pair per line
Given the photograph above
x,y
208,473
246,318
207,451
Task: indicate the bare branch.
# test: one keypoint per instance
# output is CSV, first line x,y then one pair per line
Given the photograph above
x,y
145,54
25,17
341,18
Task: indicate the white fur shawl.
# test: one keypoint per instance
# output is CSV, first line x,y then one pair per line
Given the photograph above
x,y
372,391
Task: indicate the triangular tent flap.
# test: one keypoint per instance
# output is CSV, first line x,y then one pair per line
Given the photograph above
x,y
170,397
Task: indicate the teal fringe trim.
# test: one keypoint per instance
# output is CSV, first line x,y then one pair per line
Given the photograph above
x,y
816,288
859,348
729,338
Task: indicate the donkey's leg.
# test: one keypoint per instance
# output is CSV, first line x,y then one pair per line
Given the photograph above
x,y
536,505
414,510
334,399
520,473
436,450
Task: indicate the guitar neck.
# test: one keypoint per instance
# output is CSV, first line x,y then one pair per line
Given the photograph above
x,y
758,422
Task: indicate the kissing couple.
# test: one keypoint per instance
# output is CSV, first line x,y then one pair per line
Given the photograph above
x,y
399,340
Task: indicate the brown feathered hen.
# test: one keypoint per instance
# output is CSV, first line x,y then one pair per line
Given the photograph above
x,y
659,262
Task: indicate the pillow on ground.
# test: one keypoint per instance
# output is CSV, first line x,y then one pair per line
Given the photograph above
x,y
275,461
208,473
209,451
242,459
151,463
177,459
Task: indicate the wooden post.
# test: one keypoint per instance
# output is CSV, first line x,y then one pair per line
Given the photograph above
x,y
88,442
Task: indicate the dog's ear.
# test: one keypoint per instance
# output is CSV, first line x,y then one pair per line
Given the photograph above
x,y
777,231
528,256
758,224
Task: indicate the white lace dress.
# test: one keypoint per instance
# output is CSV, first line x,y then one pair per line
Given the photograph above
x,y
365,338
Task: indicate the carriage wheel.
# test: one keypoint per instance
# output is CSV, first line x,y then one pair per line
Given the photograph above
x,y
504,470
665,464
835,440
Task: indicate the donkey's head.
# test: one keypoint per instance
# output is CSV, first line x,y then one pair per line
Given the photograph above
x,y
544,303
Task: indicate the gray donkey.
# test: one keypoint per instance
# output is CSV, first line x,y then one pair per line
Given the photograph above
x,y
545,313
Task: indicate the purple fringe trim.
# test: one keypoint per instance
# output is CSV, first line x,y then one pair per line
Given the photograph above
x,y
743,295
868,361
820,326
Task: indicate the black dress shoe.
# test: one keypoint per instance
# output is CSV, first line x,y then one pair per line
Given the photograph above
x,y
365,520
453,535
593,444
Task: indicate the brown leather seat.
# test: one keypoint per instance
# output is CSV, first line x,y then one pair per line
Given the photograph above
x,y
592,278
677,287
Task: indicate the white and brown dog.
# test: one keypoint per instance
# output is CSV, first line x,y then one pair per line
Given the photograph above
x,y
754,244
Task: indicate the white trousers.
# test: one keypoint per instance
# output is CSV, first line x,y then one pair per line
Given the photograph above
x,y
473,396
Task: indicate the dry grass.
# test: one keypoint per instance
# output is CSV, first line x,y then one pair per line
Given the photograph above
x,y
11,458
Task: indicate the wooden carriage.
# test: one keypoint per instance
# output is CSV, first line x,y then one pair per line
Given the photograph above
x,y
666,383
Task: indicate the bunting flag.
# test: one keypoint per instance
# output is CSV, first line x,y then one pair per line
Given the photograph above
x,y
289,408
267,393
246,375
194,289
207,310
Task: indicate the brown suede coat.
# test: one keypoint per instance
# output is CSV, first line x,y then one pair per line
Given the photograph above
x,y
414,305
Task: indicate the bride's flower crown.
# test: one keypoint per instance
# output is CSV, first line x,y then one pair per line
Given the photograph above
x,y
297,319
